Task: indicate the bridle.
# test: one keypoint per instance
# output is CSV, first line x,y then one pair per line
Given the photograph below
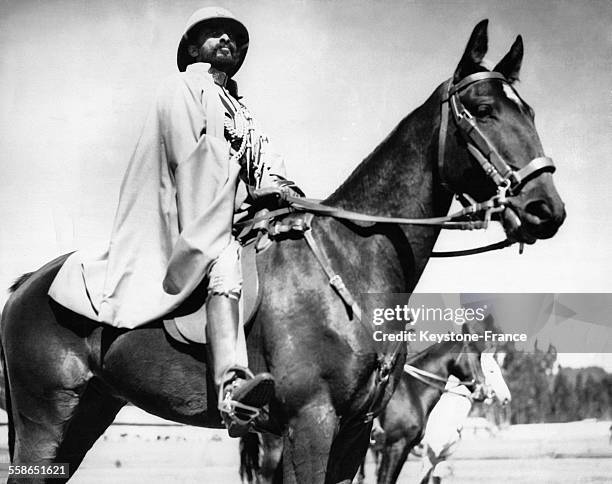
x,y
440,383
508,179
473,215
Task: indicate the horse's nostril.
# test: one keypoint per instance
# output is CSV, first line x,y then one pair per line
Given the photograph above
x,y
539,209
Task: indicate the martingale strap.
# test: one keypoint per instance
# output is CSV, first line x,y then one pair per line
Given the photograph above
x,y
335,280
386,360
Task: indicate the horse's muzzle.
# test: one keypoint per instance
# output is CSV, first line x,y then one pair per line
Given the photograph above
x,y
535,213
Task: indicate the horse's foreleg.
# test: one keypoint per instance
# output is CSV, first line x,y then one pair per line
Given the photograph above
x,y
348,450
392,460
360,477
428,464
307,442
425,472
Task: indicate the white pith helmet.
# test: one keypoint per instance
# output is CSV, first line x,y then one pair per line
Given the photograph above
x,y
207,15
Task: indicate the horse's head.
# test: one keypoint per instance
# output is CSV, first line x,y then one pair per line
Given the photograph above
x,y
489,144
474,363
467,368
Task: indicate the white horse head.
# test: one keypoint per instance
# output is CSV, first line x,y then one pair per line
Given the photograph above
x,y
494,379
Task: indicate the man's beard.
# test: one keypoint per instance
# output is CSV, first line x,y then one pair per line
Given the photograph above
x,y
220,61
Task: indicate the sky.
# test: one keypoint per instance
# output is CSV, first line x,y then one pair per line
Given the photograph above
x,y
328,80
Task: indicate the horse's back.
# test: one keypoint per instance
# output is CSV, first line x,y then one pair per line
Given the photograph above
x,y
29,291
63,350
30,318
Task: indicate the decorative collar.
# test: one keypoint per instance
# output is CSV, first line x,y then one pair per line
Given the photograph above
x,y
220,78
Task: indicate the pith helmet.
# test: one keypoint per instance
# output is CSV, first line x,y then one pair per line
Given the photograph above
x,y
200,18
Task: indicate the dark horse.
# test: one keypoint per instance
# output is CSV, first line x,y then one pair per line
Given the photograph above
x,y
404,418
67,377
405,414
403,421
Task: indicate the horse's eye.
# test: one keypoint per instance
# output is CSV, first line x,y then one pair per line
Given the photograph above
x,y
484,110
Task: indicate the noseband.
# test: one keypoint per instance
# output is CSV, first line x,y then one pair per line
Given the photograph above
x,y
507,179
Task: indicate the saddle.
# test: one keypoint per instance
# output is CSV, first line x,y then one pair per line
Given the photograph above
x,y
255,239
191,328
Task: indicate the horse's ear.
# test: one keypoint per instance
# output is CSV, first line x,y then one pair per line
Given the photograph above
x,y
510,65
474,52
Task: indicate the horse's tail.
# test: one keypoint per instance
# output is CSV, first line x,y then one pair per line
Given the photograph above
x,y
6,401
249,457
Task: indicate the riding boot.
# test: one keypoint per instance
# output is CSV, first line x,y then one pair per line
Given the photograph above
x,y
222,332
241,394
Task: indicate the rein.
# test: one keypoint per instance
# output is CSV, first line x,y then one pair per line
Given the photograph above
x,y
450,222
439,383
474,215
433,380
507,179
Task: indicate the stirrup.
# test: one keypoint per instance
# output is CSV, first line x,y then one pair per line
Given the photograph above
x,y
240,413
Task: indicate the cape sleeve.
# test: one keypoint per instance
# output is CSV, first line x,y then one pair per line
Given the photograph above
x,y
274,173
274,169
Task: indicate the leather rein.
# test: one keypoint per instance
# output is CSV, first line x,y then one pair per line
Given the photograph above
x,y
506,178
474,215
439,383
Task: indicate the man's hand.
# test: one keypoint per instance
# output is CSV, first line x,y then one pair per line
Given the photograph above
x,y
276,194
289,188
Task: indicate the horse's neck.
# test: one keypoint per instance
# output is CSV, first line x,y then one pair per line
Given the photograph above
x,y
437,358
436,361
397,178
400,179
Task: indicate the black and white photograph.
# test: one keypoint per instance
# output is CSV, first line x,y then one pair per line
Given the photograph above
x,y
305,241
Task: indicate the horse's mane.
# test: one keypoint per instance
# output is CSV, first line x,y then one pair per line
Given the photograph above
x,y
382,150
20,281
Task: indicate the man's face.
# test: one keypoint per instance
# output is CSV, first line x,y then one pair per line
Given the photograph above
x,y
216,45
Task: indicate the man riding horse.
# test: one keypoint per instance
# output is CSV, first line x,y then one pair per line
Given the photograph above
x,y
68,375
195,170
